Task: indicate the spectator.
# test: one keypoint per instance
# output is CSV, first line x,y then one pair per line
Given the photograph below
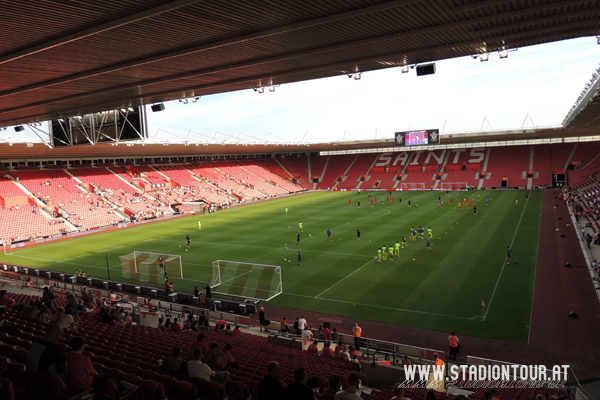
x,y
313,348
301,324
82,374
196,292
357,333
66,320
261,319
168,323
161,324
334,335
127,320
228,330
175,364
86,296
339,349
45,355
48,297
350,393
176,327
197,369
121,315
10,303
221,325
296,327
307,335
326,332
198,345
72,302
326,350
225,360
269,387
45,316
399,393
284,327
26,314
313,384
297,390
334,385
237,332
432,395
209,356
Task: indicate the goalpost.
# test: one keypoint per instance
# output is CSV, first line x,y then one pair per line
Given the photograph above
x,y
247,280
144,266
454,186
412,186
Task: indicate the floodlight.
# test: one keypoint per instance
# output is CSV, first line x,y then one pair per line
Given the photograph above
x,y
271,88
195,99
130,109
503,53
356,76
484,57
404,69
185,101
260,89
123,110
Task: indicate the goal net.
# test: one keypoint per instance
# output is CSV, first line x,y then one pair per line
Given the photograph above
x,y
453,186
251,281
412,186
145,267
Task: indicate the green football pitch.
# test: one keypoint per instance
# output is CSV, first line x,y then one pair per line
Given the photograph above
x,y
439,290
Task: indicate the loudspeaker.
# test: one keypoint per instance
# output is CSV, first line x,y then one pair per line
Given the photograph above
x,y
19,128
157,107
426,69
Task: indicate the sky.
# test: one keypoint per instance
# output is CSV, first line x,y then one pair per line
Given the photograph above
x,y
543,81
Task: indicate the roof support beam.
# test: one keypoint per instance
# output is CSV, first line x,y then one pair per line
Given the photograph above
x,y
97,29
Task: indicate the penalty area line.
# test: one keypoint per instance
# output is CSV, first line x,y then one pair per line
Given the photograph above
x,y
346,277
382,307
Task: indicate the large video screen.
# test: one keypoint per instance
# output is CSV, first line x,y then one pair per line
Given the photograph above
x,y
418,138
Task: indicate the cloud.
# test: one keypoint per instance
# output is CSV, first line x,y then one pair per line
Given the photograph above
x,y
542,81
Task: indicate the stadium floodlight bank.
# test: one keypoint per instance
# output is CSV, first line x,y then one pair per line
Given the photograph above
x,y
454,186
246,280
144,266
412,186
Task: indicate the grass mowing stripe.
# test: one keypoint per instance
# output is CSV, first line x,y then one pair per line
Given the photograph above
x,y
487,309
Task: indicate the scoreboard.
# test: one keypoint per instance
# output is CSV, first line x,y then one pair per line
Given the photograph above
x,y
418,138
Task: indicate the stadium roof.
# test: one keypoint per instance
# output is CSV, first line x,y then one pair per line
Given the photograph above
x,y
60,58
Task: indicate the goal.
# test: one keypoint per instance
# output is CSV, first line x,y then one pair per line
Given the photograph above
x,y
247,280
412,186
145,267
453,186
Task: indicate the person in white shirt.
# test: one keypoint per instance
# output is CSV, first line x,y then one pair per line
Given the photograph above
x,y
307,334
350,393
197,369
301,323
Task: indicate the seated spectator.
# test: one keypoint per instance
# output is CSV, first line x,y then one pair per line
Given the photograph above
x,y
161,324
209,356
225,359
297,390
313,348
10,303
36,313
270,387
220,325
197,369
334,384
228,330
237,332
350,393
175,364
59,313
168,323
82,374
121,315
326,351
353,352
198,345
45,356
399,393
313,384
432,395
176,327
107,318
127,320
344,355
45,315
66,320
26,314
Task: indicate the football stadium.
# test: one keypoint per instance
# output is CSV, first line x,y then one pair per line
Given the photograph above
x,y
351,263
